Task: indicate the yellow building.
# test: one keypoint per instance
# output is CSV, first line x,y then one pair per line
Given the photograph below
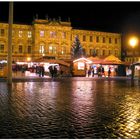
x,y
132,55
53,39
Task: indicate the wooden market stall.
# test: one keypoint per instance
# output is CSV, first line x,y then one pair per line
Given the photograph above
x,y
113,63
110,62
80,66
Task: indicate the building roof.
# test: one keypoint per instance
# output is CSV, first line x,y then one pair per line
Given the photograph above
x,y
111,59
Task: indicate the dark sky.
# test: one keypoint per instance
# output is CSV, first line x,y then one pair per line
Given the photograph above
x,y
121,17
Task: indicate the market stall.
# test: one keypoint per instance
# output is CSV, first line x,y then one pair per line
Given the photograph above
x,y
80,66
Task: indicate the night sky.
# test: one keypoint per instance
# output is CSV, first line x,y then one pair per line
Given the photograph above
x,y
119,17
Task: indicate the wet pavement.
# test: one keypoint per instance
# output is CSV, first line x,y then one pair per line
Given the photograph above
x,y
70,108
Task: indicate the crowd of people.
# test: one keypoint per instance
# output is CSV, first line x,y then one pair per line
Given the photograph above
x,y
38,69
100,72
54,71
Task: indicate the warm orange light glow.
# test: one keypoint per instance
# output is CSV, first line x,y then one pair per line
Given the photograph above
x,y
133,42
28,58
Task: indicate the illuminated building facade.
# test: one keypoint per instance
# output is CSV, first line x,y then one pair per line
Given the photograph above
x,y
132,55
53,39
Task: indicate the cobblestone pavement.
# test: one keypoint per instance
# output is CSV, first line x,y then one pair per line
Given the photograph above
x,y
70,108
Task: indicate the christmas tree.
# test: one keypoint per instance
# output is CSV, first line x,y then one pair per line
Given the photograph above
x,y
76,50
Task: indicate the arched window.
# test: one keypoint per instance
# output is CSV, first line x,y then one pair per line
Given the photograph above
x,y
52,49
41,48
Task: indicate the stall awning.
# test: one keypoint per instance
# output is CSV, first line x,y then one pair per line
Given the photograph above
x,y
111,59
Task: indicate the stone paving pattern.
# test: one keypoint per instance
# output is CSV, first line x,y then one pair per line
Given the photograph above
x,y
70,108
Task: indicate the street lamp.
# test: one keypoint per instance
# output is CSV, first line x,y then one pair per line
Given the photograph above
x,y
133,43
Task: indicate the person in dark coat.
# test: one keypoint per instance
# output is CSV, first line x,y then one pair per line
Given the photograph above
x,y
55,71
109,72
51,71
103,71
89,72
92,72
42,71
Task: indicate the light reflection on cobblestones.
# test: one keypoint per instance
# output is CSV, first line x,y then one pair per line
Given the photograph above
x,y
70,109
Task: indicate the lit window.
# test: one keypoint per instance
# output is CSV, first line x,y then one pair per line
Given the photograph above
x,y
52,50
1,48
41,49
1,32
52,34
20,33
42,33
29,34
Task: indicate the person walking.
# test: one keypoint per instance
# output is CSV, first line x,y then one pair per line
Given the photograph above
x,y
55,71
51,71
42,71
109,72
92,72
103,71
89,72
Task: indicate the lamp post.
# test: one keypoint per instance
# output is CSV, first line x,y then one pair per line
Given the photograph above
x,y
9,76
133,43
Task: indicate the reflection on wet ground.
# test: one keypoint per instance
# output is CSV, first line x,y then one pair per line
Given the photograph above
x,y
71,108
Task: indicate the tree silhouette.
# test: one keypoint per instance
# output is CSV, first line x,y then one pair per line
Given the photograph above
x,y
76,50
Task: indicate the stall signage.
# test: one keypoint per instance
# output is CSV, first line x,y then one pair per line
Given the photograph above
x,y
81,66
